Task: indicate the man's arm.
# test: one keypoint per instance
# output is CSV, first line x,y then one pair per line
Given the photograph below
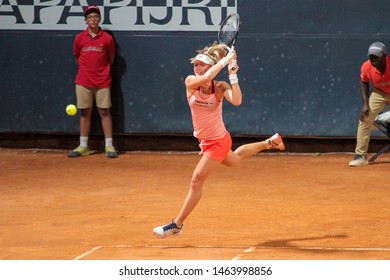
x,y
111,59
364,91
76,58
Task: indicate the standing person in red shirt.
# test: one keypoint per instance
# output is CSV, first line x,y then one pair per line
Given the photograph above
x,y
94,51
376,70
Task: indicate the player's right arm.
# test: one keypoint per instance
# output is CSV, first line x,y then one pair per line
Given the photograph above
x,y
193,82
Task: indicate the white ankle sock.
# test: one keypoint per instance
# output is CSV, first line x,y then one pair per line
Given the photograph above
x,y
84,141
108,142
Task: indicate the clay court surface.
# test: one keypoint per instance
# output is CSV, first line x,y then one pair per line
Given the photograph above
x,y
272,206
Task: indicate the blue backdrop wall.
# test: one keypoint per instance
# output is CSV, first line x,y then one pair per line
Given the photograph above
x,y
299,71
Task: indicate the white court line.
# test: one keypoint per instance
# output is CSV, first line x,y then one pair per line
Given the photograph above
x,y
237,257
332,249
248,250
245,249
251,249
88,252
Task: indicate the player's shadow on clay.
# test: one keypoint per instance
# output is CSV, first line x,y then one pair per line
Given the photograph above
x,y
291,244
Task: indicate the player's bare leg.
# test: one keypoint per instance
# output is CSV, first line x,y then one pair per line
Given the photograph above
x,y
202,171
248,150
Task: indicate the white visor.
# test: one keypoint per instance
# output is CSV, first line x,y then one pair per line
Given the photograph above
x,y
204,58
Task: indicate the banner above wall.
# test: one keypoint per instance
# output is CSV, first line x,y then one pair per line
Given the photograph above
x,y
131,15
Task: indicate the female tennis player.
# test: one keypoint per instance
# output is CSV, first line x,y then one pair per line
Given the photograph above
x,y
205,97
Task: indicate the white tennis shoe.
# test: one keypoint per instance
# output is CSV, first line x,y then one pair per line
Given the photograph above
x,y
359,160
167,230
276,142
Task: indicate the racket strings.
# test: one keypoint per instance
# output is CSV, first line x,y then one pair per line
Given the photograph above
x,y
229,30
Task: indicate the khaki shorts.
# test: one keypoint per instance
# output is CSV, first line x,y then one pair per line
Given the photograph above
x,y
86,96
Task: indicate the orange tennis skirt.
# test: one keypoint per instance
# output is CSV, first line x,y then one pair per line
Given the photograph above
x,y
216,149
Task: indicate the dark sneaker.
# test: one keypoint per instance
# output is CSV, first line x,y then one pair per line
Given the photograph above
x,y
79,151
359,160
111,152
167,230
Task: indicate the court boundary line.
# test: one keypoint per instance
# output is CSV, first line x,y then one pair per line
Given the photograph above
x,y
245,249
88,252
173,152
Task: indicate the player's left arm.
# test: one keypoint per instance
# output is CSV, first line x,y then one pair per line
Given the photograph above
x,y
233,93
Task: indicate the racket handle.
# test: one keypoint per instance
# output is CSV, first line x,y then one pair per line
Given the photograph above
x,y
233,66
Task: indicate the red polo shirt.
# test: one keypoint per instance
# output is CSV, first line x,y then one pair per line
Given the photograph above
x,y
93,57
370,74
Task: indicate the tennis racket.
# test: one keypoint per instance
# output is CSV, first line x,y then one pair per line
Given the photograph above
x,y
228,31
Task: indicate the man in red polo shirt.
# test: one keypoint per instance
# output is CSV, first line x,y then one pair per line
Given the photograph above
x,y
94,51
376,71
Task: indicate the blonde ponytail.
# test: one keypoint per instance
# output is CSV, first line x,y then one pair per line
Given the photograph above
x,y
216,52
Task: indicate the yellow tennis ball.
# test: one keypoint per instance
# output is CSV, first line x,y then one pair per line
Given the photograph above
x,y
71,110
